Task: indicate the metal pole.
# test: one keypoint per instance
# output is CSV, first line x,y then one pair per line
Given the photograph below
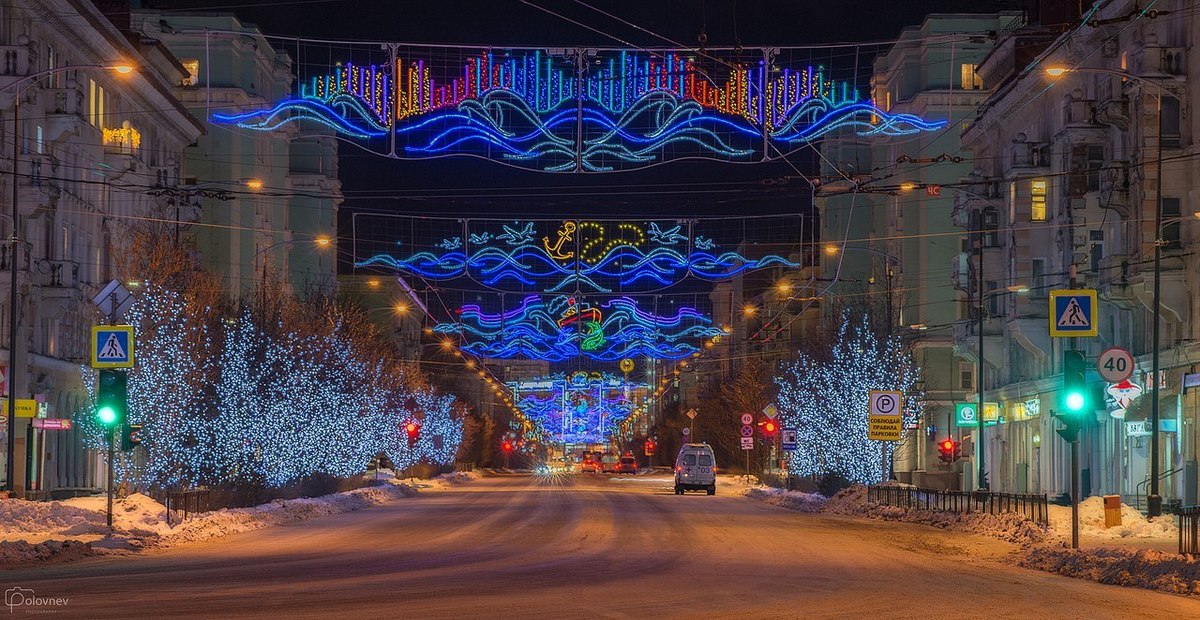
x,y
1075,493
1154,500
980,482
889,472
111,432
13,241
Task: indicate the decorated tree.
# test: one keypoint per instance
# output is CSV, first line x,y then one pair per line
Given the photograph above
x,y
826,401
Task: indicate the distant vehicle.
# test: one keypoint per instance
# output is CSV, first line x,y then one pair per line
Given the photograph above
x,y
589,465
627,465
695,469
542,469
609,463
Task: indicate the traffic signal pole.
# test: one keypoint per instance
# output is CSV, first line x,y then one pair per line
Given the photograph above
x,y
1075,493
111,432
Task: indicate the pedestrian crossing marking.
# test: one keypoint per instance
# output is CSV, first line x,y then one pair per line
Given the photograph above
x,y
1073,313
112,350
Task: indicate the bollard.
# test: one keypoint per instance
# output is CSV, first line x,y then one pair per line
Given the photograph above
x,y
1112,510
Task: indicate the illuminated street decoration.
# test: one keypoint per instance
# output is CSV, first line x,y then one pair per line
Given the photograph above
x,y
580,407
571,112
598,256
561,327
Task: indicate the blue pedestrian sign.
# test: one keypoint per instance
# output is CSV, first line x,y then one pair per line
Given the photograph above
x,y
112,346
1073,313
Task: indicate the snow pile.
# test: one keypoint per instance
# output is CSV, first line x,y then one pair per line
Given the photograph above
x,y
234,520
457,477
792,500
1091,522
1142,568
1010,527
21,519
15,553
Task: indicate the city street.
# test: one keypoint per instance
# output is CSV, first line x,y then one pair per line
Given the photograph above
x,y
583,546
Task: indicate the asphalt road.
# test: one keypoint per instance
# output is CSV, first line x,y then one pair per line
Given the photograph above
x,y
583,547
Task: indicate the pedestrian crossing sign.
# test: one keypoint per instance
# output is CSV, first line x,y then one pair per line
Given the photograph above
x,y
1073,313
112,346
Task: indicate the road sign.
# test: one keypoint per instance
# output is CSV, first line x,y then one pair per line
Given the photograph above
x,y
52,424
966,414
686,431
747,419
112,346
691,414
885,402
770,411
747,431
114,300
747,443
788,439
883,427
1115,364
1073,313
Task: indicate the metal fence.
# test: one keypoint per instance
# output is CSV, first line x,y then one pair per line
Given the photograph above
x,y
189,502
1189,523
1032,506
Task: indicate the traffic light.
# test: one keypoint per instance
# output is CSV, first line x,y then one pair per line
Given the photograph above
x,y
508,446
131,436
948,450
1075,396
414,433
769,427
112,398
650,447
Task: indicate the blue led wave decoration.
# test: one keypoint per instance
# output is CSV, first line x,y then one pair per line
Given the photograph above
x,y
562,327
568,259
625,111
579,408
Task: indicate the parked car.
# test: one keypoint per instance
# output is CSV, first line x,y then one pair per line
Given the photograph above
x,y
695,469
627,465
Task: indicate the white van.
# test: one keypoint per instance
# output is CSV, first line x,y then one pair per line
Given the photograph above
x,y
695,469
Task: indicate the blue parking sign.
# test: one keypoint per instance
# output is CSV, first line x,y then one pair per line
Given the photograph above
x,y
112,346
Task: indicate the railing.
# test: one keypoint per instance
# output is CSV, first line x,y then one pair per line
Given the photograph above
x,y
190,502
967,502
1139,495
1189,528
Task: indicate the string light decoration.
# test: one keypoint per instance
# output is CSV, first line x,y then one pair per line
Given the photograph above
x,y
563,327
634,258
629,109
580,407
826,402
252,407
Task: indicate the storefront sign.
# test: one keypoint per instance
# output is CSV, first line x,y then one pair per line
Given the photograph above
x,y
1121,396
1191,380
1137,429
965,414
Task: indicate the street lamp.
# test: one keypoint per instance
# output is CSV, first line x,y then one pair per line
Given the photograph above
x,y
18,87
1153,499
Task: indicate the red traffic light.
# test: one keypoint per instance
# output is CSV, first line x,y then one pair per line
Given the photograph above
x,y
769,427
508,446
948,450
948,445
411,428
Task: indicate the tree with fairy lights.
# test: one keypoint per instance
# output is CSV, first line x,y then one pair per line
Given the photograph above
x,y
826,401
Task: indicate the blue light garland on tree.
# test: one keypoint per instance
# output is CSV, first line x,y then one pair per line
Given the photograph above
x,y
826,401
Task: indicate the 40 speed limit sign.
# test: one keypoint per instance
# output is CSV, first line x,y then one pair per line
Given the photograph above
x,y
1115,364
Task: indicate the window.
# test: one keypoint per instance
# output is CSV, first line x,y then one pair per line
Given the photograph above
x,y
39,140
1170,122
193,68
1037,200
689,459
990,225
887,106
993,298
1037,278
1096,250
1012,202
1086,162
705,460
1170,231
971,79
966,375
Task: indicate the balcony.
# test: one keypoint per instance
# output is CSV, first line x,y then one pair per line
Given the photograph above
x,y
57,274
65,112
14,62
1115,112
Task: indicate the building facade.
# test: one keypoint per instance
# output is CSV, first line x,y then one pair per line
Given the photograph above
x,y
91,144
890,248
1070,166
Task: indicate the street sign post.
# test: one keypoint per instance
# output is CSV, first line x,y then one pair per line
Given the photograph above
x,y
884,420
747,443
1073,313
747,431
770,411
788,439
1115,364
747,419
112,346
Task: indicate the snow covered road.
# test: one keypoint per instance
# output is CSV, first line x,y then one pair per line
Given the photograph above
x,y
582,546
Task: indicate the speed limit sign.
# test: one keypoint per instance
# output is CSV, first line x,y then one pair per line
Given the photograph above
x,y
1115,365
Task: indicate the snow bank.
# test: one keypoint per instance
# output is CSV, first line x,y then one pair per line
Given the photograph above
x,y
1091,522
792,500
1010,527
16,553
458,477
1142,568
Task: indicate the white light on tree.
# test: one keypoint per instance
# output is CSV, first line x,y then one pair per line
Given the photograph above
x,y
826,401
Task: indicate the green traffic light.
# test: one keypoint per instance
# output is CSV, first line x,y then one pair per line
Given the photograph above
x,y
107,415
1075,401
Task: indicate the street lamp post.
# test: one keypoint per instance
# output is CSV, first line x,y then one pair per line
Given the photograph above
x,y
14,241
1153,499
